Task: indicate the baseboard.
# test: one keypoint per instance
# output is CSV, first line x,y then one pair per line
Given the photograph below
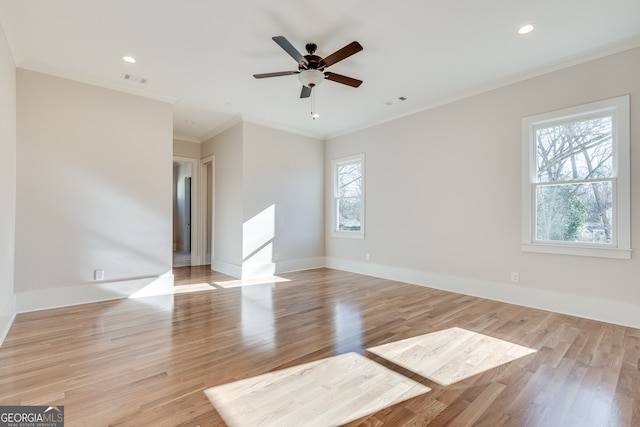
x,y
93,292
258,270
610,311
7,315
227,268
247,271
300,264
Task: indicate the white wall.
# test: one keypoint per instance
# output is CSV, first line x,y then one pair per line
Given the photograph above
x,y
283,178
93,192
227,245
443,198
7,184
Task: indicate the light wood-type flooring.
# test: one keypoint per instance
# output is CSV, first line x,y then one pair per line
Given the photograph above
x,y
181,259
148,361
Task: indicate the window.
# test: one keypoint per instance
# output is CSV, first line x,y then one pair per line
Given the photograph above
x,y
348,196
576,181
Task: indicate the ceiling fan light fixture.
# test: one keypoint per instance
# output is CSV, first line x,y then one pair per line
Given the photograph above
x,y
311,78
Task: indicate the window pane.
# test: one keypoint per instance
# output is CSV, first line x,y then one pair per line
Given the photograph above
x,y
575,213
350,179
349,214
575,150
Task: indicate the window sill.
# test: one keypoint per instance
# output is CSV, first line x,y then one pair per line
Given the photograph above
x,y
615,253
348,235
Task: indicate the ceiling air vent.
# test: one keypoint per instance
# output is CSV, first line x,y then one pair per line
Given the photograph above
x,y
134,78
396,100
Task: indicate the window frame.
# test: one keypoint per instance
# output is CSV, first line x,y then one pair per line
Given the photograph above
x,y
621,179
335,232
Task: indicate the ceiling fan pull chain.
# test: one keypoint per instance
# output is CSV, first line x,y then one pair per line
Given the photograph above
x,y
314,115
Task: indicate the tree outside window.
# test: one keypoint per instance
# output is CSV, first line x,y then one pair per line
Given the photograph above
x,y
576,185
574,190
348,195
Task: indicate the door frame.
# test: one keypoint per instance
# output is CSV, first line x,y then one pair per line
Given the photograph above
x,y
204,188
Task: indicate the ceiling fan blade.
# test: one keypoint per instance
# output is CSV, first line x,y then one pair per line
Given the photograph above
x,y
277,74
306,92
349,81
345,52
288,47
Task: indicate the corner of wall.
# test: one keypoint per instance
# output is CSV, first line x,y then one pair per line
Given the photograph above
x,y
300,264
8,167
227,268
7,315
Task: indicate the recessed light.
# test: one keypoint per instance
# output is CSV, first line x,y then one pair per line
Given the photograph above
x,y
129,59
525,29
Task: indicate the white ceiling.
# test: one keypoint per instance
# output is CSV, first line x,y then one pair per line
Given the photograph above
x,y
201,54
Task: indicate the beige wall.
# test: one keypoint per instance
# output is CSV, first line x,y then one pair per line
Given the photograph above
x,y
443,198
186,149
227,244
268,200
7,184
94,187
283,171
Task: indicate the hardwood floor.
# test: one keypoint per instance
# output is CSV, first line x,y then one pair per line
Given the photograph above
x,y
181,259
147,361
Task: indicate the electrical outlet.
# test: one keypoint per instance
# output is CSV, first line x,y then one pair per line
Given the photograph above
x,y
367,257
515,277
98,274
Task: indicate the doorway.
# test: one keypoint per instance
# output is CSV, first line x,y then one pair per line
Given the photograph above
x,y
185,227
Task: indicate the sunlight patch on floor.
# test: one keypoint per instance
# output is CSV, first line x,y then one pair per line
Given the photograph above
x,y
331,391
450,355
250,282
195,287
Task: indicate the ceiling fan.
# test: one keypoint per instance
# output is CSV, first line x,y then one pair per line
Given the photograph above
x,y
311,67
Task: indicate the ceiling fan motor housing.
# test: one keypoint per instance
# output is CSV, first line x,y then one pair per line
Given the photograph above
x,y
314,62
